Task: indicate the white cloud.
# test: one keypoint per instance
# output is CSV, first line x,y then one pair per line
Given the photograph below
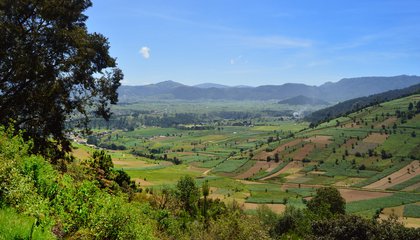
x,y
145,52
235,60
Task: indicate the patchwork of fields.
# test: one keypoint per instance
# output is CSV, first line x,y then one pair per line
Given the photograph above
x,y
372,157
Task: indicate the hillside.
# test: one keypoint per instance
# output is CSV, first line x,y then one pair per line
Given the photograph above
x,y
344,89
370,155
302,100
359,103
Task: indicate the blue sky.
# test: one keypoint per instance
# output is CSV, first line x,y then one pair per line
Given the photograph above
x,y
259,42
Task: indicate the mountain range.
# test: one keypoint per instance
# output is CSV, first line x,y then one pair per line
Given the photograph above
x,y
332,92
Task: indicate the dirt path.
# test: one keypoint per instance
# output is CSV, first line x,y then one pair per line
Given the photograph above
x,y
207,172
397,177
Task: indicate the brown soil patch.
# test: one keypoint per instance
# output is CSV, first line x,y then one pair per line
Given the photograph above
x,y
319,139
263,155
375,138
387,122
292,167
258,166
411,222
351,195
397,177
352,125
399,211
277,208
302,153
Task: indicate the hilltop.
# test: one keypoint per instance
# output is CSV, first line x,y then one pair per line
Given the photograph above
x,y
344,89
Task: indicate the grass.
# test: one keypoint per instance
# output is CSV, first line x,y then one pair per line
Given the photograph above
x,y
269,197
17,226
383,174
303,192
412,210
229,166
168,175
396,199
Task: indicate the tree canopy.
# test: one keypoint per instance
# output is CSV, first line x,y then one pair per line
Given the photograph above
x,y
327,200
52,69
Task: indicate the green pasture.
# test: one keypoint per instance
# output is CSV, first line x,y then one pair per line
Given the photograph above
x,y
412,210
396,199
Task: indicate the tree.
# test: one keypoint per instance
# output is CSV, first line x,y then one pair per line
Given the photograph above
x,y
345,227
410,106
327,201
206,190
51,67
188,194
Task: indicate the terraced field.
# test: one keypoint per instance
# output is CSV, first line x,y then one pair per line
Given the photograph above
x,y
372,157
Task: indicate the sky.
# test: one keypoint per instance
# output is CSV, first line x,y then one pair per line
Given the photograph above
x,y
261,42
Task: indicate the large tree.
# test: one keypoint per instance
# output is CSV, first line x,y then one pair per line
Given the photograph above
x,y
52,69
327,201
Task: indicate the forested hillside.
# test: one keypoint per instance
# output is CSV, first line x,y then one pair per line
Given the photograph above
x,y
356,104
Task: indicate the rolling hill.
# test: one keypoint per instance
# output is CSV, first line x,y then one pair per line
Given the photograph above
x,y
302,100
359,103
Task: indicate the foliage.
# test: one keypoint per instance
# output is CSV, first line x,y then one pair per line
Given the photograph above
x,y
188,194
50,68
327,201
59,203
355,227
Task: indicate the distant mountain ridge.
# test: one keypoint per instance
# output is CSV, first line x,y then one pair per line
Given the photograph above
x,y
342,90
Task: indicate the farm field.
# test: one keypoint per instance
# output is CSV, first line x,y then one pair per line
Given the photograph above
x,y
372,156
